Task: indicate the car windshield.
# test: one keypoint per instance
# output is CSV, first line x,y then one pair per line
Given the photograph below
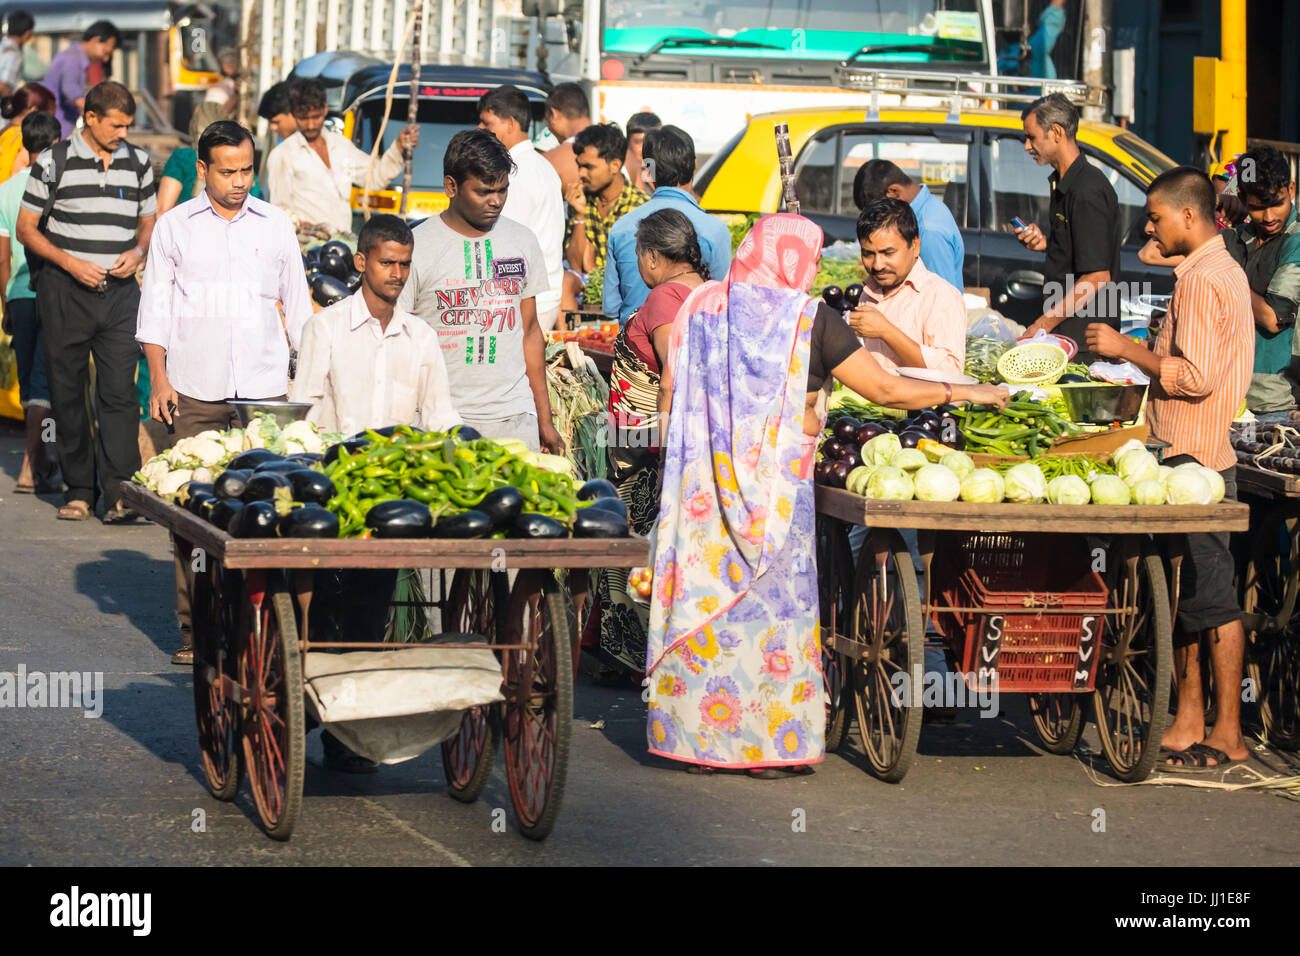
x,y
892,31
439,119
1146,154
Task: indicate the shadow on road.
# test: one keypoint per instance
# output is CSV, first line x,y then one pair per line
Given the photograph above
x,y
123,582
160,718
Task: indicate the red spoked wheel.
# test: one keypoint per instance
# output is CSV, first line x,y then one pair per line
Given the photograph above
x,y
475,605
215,609
270,671
539,701
835,593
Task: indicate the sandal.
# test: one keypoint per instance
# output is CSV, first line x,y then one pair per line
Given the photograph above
x,y
184,657
780,773
119,515
75,511
1196,759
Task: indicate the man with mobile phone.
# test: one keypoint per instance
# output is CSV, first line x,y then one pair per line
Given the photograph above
x,y
1082,243
209,321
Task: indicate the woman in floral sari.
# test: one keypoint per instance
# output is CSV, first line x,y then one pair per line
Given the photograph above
x,y
733,662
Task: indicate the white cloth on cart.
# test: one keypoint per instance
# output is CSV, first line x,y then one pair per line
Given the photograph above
x,y
392,706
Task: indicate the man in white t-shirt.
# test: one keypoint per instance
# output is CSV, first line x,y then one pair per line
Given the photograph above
x,y
476,276
536,196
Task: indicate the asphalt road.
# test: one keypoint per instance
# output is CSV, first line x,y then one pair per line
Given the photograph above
x,y
126,788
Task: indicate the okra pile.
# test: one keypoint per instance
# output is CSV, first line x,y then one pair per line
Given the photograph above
x,y
1024,427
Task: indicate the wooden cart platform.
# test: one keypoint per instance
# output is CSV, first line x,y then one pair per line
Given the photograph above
x,y
312,553
876,608
251,603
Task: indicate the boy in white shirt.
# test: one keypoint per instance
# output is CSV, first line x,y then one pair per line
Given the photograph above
x,y
364,361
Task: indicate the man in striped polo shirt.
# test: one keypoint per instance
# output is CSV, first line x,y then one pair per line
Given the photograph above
x,y
1200,369
86,294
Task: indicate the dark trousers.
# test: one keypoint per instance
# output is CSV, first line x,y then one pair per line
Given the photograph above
x,y
192,416
77,323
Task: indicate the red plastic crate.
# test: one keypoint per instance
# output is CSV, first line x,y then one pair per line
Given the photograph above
x,y
1050,649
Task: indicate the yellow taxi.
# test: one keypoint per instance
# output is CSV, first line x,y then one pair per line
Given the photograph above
x,y
975,163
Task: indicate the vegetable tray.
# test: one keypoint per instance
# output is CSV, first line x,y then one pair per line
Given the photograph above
x,y
1045,518
514,553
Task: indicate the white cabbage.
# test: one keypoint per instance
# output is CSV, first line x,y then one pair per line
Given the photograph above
x,y
1137,465
881,449
1188,487
937,483
890,483
959,463
1068,490
983,485
1149,491
909,459
1109,490
1025,482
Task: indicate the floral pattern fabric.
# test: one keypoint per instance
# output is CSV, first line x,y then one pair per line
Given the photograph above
x,y
734,661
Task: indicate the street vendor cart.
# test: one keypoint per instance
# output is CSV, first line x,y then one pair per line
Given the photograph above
x,y
1268,565
992,586
253,633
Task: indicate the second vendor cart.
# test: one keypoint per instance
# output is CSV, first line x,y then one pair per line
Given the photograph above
x,y
1106,642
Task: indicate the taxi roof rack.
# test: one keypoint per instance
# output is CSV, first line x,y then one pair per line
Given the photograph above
x,y
977,88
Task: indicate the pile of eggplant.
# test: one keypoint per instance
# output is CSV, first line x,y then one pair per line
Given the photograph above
x,y
331,274
265,495
842,451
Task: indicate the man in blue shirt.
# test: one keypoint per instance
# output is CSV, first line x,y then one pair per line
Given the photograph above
x,y
942,249
669,155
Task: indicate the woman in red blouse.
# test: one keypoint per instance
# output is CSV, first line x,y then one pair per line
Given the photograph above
x,y
670,263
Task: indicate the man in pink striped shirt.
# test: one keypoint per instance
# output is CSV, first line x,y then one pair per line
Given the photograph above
x,y
908,316
1200,370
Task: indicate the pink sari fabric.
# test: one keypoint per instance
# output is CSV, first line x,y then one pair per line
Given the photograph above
x,y
733,658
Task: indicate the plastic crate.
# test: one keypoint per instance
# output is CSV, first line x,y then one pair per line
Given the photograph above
x,y
1036,631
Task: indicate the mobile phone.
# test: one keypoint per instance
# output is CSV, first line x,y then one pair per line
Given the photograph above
x,y
1017,223
171,425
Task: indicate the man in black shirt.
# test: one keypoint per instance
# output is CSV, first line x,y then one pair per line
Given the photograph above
x,y
1082,241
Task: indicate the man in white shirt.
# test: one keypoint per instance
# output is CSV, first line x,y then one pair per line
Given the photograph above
x,y
208,320
21,29
311,174
364,362
536,197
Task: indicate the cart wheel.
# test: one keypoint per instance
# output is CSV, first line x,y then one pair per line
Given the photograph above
x,y
1273,646
215,610
1131,698
270,670
474,605
1058,720
835,593
887,618
539,701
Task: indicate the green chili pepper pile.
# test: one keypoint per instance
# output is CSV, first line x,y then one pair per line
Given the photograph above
x,y
1024,427
1053,466
449,475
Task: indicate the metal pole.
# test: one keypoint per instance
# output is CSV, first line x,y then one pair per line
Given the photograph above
x,y
413,103
1233,53
1096,54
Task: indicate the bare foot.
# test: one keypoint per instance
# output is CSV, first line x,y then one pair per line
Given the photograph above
x,y
1182,735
